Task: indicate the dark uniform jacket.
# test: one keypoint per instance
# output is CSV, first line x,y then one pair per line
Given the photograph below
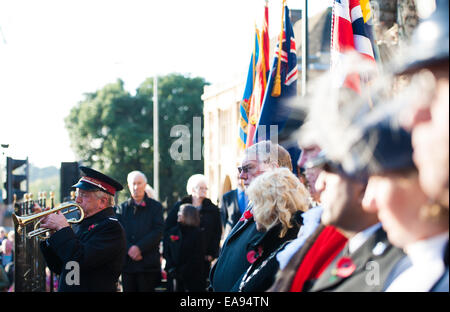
x,y
229,210
232,262
373,262
210,223
184,251
144,228
97,248
261,273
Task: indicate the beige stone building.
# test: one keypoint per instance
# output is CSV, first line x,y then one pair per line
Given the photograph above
x,y
221,155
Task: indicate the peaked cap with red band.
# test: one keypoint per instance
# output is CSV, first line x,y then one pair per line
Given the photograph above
x,y
97,181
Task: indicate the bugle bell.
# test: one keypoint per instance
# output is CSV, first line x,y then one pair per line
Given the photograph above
x,y
22,221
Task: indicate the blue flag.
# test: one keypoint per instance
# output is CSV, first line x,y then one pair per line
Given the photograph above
x,y
244,105
282,85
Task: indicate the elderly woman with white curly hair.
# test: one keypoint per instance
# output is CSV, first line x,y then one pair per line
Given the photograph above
x,y
278,198
210,219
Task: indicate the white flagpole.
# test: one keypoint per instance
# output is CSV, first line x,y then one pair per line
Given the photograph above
x,y
305,53
155,138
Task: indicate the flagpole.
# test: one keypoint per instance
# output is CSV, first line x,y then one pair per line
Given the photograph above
x,y
305,53
276,90
155,138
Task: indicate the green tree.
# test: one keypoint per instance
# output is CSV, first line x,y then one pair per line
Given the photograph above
x,y
179,100
112,131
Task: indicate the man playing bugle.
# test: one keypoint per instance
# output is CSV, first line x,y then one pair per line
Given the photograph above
x,y
90,258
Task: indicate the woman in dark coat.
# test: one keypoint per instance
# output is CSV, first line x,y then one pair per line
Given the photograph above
x,y
184,251
278,199
210,219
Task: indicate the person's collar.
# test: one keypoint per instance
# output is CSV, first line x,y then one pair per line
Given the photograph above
x,y
429,249
360,238
142,203
313,213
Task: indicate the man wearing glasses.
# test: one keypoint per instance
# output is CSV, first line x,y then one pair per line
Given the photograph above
x,y
234,257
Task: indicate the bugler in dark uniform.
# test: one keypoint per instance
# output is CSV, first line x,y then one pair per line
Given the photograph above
x,y
91,257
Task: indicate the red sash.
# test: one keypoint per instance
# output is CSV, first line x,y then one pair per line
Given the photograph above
x,y
326,247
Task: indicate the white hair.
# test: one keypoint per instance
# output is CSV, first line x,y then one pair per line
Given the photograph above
x,y
194,181
109,197
134,174
150,191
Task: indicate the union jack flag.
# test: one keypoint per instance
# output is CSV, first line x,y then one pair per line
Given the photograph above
x,y
351,31
275,111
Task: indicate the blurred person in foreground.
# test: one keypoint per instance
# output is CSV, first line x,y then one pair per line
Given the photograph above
x,y
427,116
349,240
310,219
413,206
411,223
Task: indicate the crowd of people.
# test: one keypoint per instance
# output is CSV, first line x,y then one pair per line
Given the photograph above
x,y
6,259
368,211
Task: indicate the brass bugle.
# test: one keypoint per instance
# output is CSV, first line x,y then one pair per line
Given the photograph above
x,y
22,221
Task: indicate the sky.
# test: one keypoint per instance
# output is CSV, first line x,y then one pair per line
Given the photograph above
x,y
52,52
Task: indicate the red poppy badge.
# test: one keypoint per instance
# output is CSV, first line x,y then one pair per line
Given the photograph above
x,y
344,267
247,215
174,238
253,255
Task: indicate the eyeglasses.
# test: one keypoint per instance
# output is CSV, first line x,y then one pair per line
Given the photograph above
x,y
82,194
244,169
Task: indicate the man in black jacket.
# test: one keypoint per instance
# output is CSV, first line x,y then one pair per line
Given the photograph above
x,y
91,258
142,218
232,206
